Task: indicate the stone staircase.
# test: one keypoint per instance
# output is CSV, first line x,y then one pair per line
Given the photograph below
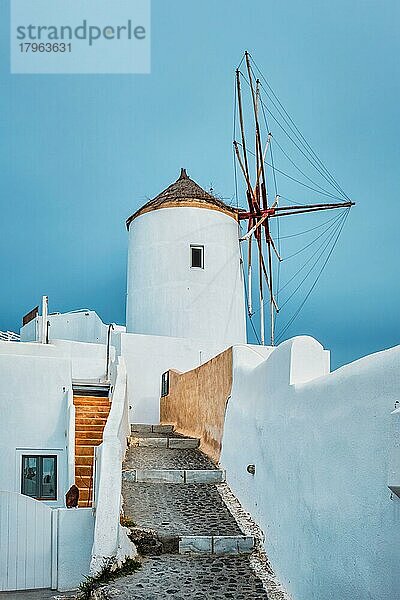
x,y
191,544
91,413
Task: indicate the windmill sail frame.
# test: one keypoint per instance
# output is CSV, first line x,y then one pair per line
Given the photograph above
x,y
259,211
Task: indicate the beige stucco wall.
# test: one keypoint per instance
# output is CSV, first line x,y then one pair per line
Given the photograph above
x,y
197,400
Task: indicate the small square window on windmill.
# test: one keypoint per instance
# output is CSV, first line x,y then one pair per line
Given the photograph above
x,y
196,257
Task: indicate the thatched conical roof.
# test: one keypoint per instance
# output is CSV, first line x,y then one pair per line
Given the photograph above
x,y
184,192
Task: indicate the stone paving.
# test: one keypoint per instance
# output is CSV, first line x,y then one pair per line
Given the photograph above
x,y
151,434
182,578
165,458
171,509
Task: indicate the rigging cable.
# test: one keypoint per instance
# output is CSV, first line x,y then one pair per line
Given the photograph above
x,y
293,178
299,134
288,157
293,201
325,245
276,194
241,62
301,150
315,282
298,168
247,296
284,237
331,181
337,218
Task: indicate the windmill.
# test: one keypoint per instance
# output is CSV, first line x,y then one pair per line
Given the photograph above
x,y
262,209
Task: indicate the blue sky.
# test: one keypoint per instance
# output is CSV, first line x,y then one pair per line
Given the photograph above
x,y
80,153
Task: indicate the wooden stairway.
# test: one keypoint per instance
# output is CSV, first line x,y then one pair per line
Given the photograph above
x,y
91,413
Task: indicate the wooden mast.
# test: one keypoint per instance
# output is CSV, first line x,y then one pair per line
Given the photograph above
x,y
259,211
264,195
245,168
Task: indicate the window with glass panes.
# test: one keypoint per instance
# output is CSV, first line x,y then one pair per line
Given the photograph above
x,y
39,477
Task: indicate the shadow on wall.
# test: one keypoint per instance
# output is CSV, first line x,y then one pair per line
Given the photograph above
x,y
322,448
197,401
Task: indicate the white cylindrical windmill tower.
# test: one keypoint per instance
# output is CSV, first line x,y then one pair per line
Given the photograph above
x,y
184,267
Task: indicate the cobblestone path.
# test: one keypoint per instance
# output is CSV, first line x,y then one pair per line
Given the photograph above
x,y
167,458
188,577
171,494
173,509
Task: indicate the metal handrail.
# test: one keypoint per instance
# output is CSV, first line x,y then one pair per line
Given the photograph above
x,y
108,356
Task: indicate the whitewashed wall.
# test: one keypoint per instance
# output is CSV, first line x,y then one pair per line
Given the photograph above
x,y
320,444
147,357
34,393
35,399
110,538
165,296
81,326
37,417
75,540
28,553
88,361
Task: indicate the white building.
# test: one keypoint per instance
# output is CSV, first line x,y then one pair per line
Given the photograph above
x,y
185,305
184,269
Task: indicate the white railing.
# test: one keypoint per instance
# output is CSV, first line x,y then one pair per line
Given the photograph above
x,y
110,538
9,336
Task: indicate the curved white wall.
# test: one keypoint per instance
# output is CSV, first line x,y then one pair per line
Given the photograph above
x,y
320,444
168,298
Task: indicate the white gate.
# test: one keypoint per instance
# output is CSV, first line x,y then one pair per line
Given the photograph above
x,y
28,543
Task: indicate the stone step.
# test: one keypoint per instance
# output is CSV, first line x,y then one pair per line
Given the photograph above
x,y
96,427
83,470
86,410
83,481
165,442
84,450
158,434
84,493
91,399
84,461
91,412
144,428
100,405
216,544
149,543
93,442
94,434
91,421
167,458
103,405
189,577
86,442
174,475
193,509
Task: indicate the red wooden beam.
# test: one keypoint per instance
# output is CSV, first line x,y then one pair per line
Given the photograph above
x,y
281,211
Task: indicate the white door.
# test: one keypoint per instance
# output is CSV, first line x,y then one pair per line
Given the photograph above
x,y
26,542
